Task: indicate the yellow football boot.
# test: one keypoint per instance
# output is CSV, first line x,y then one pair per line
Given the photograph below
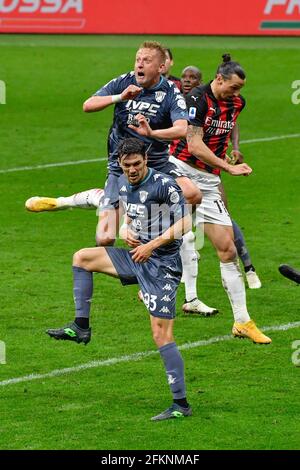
x,y
40,204
250,330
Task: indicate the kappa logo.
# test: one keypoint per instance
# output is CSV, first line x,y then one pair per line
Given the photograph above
x,y
167,287
165,180
164,310
171,189
168,276
123,189
166,298
160,96
143,196
171,379
156,176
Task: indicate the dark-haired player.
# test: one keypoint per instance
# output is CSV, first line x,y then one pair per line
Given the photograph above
x,y
156,218
213,111
169,62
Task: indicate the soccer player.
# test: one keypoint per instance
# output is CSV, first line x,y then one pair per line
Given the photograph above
x,y
213,111
156,218
146,99
290,273
169,62
146,106
191,77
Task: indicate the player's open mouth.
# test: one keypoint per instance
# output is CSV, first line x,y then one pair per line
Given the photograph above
x,y
141,74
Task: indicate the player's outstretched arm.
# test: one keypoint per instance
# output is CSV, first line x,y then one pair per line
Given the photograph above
x,y
199,149
143,252
97,103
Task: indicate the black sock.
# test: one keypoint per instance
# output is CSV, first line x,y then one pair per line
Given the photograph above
x,y
181,402
82,322
249,268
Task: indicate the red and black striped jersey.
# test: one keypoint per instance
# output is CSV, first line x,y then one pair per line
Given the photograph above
x,y
217,119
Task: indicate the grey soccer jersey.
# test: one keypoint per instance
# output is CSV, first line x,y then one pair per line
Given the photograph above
x,y
153,206
162,105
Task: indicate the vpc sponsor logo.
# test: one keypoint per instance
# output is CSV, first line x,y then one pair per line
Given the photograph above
x,y
43,16
281,15
2,92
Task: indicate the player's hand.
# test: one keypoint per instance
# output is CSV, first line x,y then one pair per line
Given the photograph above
x,y
130,92
129,237
143,128
141,253
240,170
236,157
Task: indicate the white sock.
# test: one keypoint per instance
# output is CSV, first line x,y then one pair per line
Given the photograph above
x,y
189,265
86,200
233,283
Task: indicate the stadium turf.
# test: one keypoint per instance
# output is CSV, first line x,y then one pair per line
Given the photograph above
x,y
244,396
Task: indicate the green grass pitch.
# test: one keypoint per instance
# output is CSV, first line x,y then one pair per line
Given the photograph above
x,y
244,396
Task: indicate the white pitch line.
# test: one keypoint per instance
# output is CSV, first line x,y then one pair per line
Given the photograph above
x,y
269,139
103,159
50,165
134,357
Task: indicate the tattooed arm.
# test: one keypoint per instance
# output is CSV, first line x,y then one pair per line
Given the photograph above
x,y
199,149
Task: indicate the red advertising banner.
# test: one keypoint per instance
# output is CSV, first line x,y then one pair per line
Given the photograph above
x,y
219,17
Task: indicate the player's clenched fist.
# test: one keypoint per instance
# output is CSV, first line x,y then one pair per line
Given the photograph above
x,y
130,92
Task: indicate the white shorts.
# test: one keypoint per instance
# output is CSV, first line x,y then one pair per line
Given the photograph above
x,y
212,209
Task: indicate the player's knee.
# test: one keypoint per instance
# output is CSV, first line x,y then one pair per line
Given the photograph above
x,y
161,336
102,240
157,334
79,258
228,252
192,195
195,197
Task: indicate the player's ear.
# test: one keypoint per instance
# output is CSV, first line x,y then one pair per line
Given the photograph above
x,y
162,68
219,78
